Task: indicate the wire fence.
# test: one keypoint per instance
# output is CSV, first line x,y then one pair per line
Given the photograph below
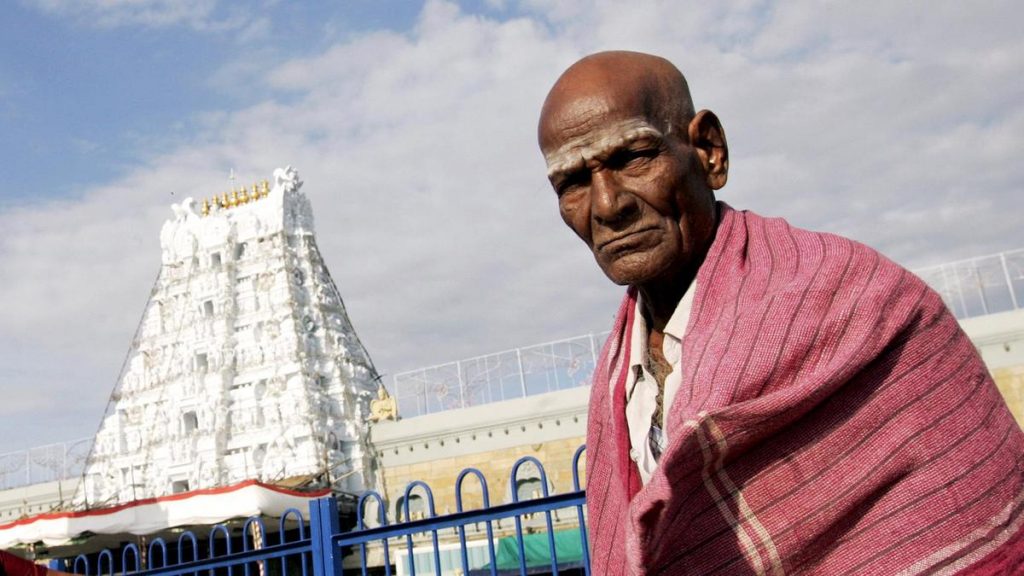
x,y
970,288
47,463
979,286
515,373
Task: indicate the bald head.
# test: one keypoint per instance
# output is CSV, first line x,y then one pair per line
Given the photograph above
x,y
640,85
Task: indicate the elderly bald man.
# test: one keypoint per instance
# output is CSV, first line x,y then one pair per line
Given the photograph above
x,y
770,400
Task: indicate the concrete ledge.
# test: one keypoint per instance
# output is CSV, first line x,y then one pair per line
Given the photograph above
x,y
35,499
530,420
998,337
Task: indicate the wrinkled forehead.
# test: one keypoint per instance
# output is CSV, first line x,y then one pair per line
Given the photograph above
x,y
574,109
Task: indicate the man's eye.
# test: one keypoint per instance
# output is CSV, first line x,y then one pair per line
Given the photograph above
x,y
630,157
570,183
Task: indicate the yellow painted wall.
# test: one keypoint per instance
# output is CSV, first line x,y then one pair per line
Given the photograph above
x,y
1010,381
440,474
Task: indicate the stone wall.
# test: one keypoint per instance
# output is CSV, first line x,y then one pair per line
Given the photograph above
x,y
556,455
1010,380
999,339
435,448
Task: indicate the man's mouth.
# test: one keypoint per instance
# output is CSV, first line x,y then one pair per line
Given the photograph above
x,y
624,242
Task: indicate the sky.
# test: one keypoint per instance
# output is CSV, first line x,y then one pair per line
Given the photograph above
x,y
413,125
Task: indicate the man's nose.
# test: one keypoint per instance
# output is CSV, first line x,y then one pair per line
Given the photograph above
x,y
610,201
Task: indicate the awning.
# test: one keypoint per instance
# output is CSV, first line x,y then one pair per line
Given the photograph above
x,y
199,507
568,549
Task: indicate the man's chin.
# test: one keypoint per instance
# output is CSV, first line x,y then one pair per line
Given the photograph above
x,y
627,271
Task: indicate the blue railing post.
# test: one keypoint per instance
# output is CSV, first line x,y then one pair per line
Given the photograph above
x,y
324,525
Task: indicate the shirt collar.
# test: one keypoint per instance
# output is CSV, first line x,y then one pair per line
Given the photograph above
x,y
638,339
676,326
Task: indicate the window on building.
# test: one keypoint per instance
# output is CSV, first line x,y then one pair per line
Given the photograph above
x,y
371,513
215,260
528,488
202,363
208,308
190,421
179,486
417,508
239,250
528,483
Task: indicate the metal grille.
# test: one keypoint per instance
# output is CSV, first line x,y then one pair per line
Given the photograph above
x,y
979,286
515,373
47,463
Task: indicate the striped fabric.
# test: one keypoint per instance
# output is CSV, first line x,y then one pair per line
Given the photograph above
x,y
11,565
834,419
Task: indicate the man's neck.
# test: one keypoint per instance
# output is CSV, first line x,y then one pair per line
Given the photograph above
x,y
660,297
659,300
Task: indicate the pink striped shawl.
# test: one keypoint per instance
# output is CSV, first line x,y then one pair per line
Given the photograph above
x,y
834,419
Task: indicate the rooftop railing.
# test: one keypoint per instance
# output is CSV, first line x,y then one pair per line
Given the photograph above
x,y
979,286
41,464
515,373
970,288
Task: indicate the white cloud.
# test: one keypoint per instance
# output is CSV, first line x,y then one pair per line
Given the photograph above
x,y
898,127
204,15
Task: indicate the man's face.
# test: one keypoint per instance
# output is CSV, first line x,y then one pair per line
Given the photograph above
x,y
632,188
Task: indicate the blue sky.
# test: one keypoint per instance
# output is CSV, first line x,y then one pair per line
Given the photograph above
x,y
86,94
413,126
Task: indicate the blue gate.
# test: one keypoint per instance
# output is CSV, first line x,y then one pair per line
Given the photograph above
x,y
542,535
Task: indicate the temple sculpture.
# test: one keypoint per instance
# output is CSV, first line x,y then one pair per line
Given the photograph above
x,y
245,365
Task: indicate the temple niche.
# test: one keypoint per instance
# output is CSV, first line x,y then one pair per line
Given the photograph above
x,y
245,364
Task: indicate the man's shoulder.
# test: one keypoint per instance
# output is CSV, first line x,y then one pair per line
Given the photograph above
x,y
808,250
780,258
765,264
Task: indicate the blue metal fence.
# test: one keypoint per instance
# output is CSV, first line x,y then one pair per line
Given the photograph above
x,y
191,559
437,545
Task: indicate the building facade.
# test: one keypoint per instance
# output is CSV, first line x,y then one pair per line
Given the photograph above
x,y
245,364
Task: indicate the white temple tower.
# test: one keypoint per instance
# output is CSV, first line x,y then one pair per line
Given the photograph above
x,y
245,365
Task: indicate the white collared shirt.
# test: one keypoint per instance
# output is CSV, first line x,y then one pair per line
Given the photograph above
x,y
642,387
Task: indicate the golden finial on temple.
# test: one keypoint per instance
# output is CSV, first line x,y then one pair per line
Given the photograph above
x,y
265,191
243,197
255,194
225,202
235,201
206,207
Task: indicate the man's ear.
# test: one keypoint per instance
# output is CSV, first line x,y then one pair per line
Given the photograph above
x,y
708,138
